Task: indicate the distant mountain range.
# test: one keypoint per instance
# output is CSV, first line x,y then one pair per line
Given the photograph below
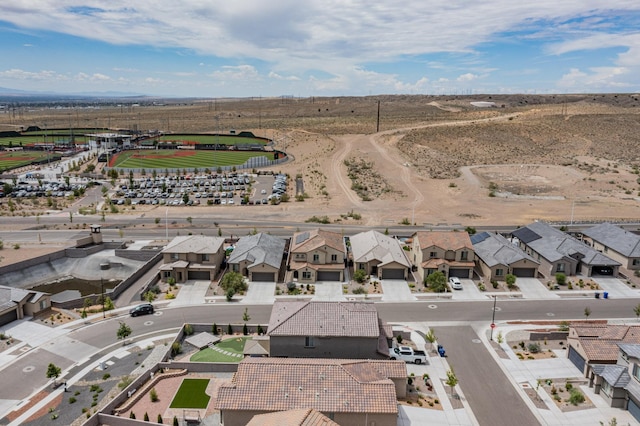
x,y
16,95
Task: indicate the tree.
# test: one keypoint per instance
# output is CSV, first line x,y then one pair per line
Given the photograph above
x,y
189,219
561,278
53,372
159,418
124,331
636,311
233,283
587,312
430,336
437,282
245,315
510,279
359,275
452,380
108,304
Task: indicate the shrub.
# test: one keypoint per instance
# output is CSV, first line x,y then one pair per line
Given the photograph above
x,y
229,329
146,416
569,386
359,290
188,329
260,330
105,376
245,329
153,395
176,348
175,421
576,397
214,328
399,339
561,278
360,276
534,348
159,418
72,400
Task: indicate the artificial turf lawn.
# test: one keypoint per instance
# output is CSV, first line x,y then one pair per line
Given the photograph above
x,y
184,159
191,394
234,345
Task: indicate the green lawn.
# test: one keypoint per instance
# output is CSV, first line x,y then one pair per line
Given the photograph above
x,y
191,394
34,139
180,159
212,139
12,160
234,345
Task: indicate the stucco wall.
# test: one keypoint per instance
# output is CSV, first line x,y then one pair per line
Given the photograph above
x,y
325,347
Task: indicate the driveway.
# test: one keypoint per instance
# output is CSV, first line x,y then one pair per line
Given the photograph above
x,y
532,288
469,291
329,291
616,288
396,291
191,293
260,293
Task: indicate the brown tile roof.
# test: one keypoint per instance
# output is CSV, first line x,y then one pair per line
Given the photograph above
x,y
296,266
311,240
327,385
435,262
340,319
447,240
600,343
300,417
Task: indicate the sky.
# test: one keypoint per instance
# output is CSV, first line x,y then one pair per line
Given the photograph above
x,y
249,48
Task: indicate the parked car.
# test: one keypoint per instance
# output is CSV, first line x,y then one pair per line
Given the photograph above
x,y
144,309
455,283
408,354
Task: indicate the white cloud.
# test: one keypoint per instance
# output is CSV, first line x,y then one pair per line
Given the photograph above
x,y
18,74
277,76
466,77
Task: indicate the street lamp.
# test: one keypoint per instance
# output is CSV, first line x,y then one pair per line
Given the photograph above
x,y
493,317
104,315
166,224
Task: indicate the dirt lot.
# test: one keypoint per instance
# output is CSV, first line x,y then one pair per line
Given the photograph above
x,y
434,160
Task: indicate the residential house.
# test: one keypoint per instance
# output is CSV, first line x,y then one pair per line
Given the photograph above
x,y
348,392
496,257
379,255
446,251
591,344
295,417
309,329
192,257
558,252
258,257
317,255
620,245
16,303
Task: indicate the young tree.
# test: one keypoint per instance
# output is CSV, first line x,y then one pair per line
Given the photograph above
x,y
124,331
561,278
510,279
53,372
452,380
587,312
245,315
437,282
233,283
360,276
636,311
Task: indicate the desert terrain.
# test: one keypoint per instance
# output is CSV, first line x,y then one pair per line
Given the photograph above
x,y
433,160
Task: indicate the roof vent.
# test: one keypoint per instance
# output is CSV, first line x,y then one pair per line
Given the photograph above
x,y
286,395
300,388
317,394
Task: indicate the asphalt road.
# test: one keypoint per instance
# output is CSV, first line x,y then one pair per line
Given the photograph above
x,y
488,391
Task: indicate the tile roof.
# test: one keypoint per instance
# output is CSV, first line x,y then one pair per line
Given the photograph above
x,y
447,240
299,417
296,266
323,318
616,238
601,343
494,249
258,249
631,349
11,296
311,240
194,244
327,385
616,375
436,261
554,245
374,246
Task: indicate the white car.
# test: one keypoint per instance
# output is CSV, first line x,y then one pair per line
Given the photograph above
x,y
455,283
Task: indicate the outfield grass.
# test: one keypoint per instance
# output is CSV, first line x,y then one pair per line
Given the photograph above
x,y
12,160
180,159
212,139
28,140
191,394
235,345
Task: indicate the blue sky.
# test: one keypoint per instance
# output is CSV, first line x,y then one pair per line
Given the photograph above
x,y
198,48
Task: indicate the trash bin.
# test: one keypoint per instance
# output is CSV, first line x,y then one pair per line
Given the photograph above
x,y
605,295
597,295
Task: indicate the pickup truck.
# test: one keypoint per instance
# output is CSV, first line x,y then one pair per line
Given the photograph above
x,y
407,354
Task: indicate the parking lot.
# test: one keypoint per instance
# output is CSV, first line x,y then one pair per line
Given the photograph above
x,y
23,189
192,190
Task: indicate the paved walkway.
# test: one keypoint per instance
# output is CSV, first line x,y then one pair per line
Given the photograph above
x,y
260,293
329,290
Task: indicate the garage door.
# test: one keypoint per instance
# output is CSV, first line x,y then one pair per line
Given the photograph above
x,y
328,276
263,276
524,272
393,274
198,275
634,409
459,272
602,270
8,317
576,359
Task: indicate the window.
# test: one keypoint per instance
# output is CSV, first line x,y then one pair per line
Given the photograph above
x,y
636,372
464,255
606,249
316,257
636,262
306,275
308,342
334,257
166,274
43,304
361,266
235,267
606,388
299,256
432,254
560,267
205,257
499,272
174,256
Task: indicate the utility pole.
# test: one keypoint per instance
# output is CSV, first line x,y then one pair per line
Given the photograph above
x,y
378,119
104,315
493,317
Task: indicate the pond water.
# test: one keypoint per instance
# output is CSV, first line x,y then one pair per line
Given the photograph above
x,y
85,287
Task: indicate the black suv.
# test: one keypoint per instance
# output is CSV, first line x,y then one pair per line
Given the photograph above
x,y
145,308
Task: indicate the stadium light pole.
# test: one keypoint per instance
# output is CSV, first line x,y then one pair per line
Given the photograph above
x,y
166,224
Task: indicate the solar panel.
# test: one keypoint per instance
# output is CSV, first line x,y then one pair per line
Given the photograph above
x,y
525,235
478,238
302,237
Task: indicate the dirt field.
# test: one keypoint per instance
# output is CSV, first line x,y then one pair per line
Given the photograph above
x,y
435,159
